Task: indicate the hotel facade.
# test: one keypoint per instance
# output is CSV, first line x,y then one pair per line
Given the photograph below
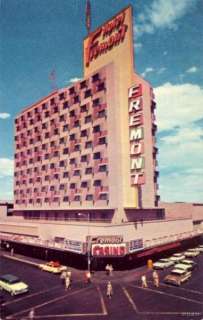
x,y
86,172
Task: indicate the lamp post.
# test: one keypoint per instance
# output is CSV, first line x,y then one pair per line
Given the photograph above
x,y
88,242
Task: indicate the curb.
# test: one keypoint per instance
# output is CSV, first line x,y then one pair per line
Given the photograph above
x,y
21,260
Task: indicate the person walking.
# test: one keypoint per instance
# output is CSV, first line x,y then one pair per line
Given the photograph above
x,y
88,277
110,270
63,276
144,281
155,277
109,290
67,283
107,269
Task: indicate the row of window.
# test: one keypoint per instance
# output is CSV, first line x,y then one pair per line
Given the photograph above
x,y
89,197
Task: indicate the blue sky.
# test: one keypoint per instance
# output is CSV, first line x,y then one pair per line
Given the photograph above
x,y
41,35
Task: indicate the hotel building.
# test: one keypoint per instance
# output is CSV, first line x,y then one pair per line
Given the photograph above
x,y
86,173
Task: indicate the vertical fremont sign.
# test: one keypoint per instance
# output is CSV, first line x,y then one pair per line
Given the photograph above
x,y
136,135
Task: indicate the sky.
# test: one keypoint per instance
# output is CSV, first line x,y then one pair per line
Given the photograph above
x,y
39,36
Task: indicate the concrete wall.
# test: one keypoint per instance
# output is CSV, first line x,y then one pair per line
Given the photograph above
x,y
183,210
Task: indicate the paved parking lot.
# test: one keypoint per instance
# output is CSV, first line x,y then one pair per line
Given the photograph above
x,y
50,300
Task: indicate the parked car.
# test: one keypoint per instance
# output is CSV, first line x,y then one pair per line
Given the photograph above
x,y
177,277
183,266
163,263
13,285
200,248
177,257
191,253
189,262
52,266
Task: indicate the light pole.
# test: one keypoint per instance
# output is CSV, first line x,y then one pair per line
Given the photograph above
x,y
88,242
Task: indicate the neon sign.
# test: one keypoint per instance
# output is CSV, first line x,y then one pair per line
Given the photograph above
x,y
112,34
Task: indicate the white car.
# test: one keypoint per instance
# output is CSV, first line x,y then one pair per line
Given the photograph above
x,y
200,248
183,266
191,253
13,285
177,257
177,277
163,263
52,266
189,262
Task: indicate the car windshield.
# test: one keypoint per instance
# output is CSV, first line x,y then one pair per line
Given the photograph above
x,y
177,272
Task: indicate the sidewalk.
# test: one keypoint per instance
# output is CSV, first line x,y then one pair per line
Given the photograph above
x,y
98,276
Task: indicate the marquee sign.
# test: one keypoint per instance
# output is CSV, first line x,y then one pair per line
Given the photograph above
x,y
136,129
135,245
113,239
106,38
107,250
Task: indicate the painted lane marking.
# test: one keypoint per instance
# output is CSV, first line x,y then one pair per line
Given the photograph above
x,y
183,313
104,309
29,296
167,294
130,299
183,289
70,315
46,303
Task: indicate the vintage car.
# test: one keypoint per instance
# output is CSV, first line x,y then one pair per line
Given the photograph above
x,y
177,257
200,248
52,266
177,277
189,262
183,266
163,263
12,284
191,253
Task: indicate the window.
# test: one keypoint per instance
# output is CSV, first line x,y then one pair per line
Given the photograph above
x,y
52,188
102,114
76,123
89,197
72,161
84,158
52,166
65,151
61,187
72,113
43,167
77,147
46,157
97,183
96,129
83,133
71,90
65,105
102,140
95,77
52,143
101,86
96,102
77,198
61,118
46,114
76,99
103,196
52,101
83,108
72,186
76,173
44,106
88,144
88,119
44,125
61,96
46,178
88,93
96,156
56,153
65,199
46,200
84,184
62,163
56,131
83,84
65,128
62,140
72,137
56,176
88,170
46,135
103,168
65,175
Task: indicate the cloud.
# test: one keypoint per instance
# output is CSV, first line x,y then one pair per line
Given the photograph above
x,y
192,70
6,187
178,104
179,114
147,70
138,46
162,14
4,115
6,167
73,80
161,70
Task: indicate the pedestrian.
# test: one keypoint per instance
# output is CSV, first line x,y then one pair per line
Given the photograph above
x,y
63,276
12,251
155,277
88,277
144,281
107,269
31,314
67,283
110,270
68,274
109,290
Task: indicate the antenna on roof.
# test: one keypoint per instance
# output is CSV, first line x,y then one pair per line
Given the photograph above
x,y
52,78
88,16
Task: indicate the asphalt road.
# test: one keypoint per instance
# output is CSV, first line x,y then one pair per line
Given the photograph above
x,y
50,300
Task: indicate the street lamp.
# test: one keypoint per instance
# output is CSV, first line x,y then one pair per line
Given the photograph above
x,y
89,240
